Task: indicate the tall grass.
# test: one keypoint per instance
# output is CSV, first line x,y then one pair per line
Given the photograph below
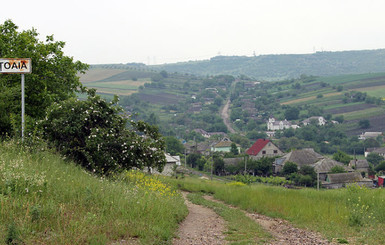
x,y
45,199
356,214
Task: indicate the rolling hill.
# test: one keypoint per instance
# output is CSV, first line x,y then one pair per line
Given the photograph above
x,y
286,66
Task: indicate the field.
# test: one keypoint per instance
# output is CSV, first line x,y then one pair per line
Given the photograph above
x,y
353,214
310,98
343,108
115,81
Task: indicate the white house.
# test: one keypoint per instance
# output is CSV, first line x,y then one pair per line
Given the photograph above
x,y
274,125
320,121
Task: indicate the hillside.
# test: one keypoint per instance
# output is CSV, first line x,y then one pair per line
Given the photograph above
x,y
284,66
47,199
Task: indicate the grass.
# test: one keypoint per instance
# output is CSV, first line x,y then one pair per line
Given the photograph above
x,y
240,228
45,199
355,115
354,214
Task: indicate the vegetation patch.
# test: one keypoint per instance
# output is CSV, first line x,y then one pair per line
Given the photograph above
x,y
47,200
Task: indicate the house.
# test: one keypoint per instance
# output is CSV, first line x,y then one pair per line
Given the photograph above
x,y
274,125
201,148
380,151
369,135
171,162
224,146
263,148
202,132
334,181
319,120
361,165
324,166
301,157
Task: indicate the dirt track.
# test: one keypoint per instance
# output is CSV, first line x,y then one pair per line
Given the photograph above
x,y
204,226
226,117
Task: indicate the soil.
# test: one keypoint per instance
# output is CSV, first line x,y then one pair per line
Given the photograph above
x,y
204,226
225,116
201,226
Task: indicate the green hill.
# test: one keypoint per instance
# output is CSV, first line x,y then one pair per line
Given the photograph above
x,y
46,199
284,66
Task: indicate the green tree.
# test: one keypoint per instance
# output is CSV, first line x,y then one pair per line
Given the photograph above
x,y
234,149
289,168
374,158
341,156
380,166
93,132
364,123
291,113
54,76
173,145
337,169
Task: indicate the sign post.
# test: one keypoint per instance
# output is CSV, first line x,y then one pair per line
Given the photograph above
x,y
17,66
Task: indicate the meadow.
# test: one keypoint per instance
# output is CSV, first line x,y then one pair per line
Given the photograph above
x,y
354,214
46,199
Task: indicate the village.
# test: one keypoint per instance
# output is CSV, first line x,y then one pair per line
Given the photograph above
x,y
329,172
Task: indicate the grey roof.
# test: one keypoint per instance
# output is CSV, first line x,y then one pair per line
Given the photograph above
x,y
303,157
361,163
325,165
344,177
233,161
379,150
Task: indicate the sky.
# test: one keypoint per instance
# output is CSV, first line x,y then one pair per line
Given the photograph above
x,y
169,31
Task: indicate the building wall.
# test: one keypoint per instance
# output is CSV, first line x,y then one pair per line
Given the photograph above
x,y
270,150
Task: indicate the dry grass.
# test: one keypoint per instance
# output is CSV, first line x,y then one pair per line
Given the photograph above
x,y
98,74
309,98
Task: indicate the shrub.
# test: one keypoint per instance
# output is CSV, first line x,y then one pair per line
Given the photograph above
x,y
93,132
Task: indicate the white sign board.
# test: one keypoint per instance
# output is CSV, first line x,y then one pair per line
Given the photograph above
x,y
15,65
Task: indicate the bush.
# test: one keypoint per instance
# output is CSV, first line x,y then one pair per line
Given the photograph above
x,y
93,132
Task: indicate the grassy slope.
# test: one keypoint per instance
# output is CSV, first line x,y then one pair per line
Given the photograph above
x,y
354,214
46,200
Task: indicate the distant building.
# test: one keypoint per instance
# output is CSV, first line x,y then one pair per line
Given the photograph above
x,y
319,120
334,181
274,125
224,146
380,151
300,157
369,135
360,165
263,148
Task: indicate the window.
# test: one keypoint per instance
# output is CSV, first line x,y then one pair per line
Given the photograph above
x,y
275,151
263,152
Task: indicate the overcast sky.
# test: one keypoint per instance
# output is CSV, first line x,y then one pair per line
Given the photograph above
x,y
169,31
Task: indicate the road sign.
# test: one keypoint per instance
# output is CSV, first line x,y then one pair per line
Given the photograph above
x,y
15,65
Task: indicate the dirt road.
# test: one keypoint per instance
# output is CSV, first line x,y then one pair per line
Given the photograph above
x,y
226,117
204,226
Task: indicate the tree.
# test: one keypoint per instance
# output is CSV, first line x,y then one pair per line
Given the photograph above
x,y
54,77
364,123
337,169
341,156
234,149
380,166
93,132
173,145
291,113
374,158
289,168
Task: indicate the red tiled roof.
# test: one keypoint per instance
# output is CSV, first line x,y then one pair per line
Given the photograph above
x,y
257,147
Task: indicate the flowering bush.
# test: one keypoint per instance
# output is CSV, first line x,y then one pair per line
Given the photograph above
x,y
95,133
